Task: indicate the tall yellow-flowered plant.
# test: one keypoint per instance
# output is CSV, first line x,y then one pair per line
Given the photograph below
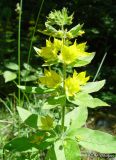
x,y
60,130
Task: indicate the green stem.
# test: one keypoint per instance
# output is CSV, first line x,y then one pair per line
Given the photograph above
x,y
64,106
64,77
19,51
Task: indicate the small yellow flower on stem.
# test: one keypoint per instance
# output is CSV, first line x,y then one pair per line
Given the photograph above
x,y
70,54
73,84
51,79
50,52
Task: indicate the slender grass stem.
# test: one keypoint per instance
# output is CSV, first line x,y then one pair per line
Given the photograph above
x,y
19,51
33,34
30,49
99,68
11,113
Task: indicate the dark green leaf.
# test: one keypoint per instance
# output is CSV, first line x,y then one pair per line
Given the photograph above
x,y
51,154
18,144
32,121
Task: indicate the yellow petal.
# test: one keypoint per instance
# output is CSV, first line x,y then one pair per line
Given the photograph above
x,y
81,78
68,54
71,86
50,79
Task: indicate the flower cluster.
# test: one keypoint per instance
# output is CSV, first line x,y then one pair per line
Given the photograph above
x,y
72,84
57,51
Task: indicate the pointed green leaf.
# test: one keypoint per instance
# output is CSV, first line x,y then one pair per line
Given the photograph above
x,y
71,149
18,144
32,121
84,99
84,61
76,118
96,140
23,113
75,31
98,102
9,76
91,87
12,66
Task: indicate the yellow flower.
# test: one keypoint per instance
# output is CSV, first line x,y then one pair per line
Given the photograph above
x,y
49,53
73,84
58,44
70,54
51,79
82,79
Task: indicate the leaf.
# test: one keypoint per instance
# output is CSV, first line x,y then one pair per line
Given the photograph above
x,y
9,76
51,154
84,99
27,67
34,90
54,102
32,121
18,144
59,150
76,118
59,18
96,140
98,102
23,113
12,66
29,78
71,149
91,87
84,61
75,31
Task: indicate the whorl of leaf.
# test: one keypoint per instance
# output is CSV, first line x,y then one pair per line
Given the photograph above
x,y
59,18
